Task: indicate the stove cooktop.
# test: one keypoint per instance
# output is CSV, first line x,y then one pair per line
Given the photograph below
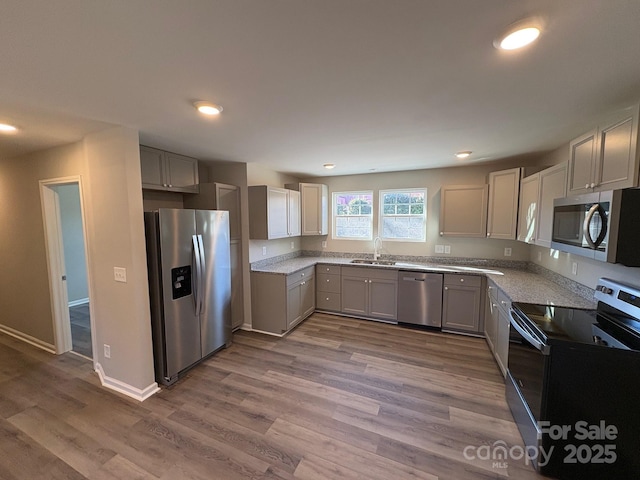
x,y
560,324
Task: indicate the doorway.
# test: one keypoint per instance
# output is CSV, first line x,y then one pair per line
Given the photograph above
x,y
67,259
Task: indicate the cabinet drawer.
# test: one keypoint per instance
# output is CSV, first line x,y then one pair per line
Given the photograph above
x,y
466,280
328,301
371,272
300,275
328,283
329,269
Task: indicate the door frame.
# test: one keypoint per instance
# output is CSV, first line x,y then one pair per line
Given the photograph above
x,y
55,260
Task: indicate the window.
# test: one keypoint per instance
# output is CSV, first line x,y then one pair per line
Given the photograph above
x,y
403,215
353,215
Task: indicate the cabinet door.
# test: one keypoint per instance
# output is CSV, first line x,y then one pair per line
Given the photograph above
x,y
553,184
383,296
294,213
277,218
237,297
315,208
504,187
152,168
355,292
182,173
228,198
616,165
581,163
528,209
463,210
461,308
491,322
502,340
307,297
294,304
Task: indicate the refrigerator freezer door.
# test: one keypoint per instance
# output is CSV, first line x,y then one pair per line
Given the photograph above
x,y
181,325
215,319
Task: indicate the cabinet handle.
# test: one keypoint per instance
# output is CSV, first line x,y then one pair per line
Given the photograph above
x,y
170,186
586,186
441,233
302,283
327,299
462,279
328,280
488,234
503,302
319,231
593,185
446,288
303,274
328,269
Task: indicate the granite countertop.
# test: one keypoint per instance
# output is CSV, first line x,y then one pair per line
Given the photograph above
x,y
520,285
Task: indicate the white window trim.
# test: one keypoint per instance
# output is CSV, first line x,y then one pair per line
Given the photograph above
x,y
333,214
381,215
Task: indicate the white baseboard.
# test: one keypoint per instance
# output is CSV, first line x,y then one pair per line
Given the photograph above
x,y
279,335
138,394
246,327
47,347
80,301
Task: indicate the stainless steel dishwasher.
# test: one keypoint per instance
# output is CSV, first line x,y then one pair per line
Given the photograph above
x,y
420,298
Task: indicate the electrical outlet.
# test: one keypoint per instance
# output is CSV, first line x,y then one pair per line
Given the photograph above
x,y
447,249
107,351
120,274
264,251
507,252
574,268
539,256
324,244
439,248
293,245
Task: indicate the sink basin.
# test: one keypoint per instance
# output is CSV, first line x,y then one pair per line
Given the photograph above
x,y
373,262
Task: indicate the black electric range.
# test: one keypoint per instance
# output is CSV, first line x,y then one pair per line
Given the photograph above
x,y
576,370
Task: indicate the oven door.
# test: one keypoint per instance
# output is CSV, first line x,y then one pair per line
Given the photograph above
x,y
527,372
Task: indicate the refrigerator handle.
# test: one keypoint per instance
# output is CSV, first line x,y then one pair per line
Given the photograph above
x,y
201,276
198,273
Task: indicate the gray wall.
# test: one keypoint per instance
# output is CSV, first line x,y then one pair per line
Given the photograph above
x,y
73,239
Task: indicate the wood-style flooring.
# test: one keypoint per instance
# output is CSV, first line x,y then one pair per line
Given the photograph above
x,y
338,398
80,317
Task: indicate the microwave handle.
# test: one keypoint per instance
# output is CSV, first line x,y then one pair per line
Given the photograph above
x,y
595,208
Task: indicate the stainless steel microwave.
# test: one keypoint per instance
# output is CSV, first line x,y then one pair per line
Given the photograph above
x,y
604,226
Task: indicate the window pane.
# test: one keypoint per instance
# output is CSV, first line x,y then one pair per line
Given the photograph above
x,y
403,215
417,209
403,209
389,210
352,215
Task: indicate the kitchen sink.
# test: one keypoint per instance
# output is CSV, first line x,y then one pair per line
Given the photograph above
x,y
373,262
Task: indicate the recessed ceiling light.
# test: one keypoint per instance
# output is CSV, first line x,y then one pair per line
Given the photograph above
x,y
464,154
6,128
519,34
329,166
208,108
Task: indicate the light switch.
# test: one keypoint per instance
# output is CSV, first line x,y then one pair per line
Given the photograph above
x,y
507,252
447,249
439,248
120,274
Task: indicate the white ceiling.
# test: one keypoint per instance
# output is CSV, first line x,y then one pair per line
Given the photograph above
x,y
364,84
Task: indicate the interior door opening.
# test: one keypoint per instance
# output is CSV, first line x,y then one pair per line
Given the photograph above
x,y
63,218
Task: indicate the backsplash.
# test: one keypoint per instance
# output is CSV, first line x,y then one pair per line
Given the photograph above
x,y
575,287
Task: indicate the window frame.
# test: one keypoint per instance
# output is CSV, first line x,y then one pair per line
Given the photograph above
x,y
382,215
334,215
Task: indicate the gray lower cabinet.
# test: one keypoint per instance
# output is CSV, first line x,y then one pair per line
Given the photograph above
x,y
497,325
461,303
370,292
280,302
328,285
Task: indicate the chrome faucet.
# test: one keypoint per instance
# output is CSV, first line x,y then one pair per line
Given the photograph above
x,y
377,245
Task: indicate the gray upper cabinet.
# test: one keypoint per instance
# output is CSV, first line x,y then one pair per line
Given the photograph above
x,y
273,212
528,208
504,188
605,158
582,152
537,193
461,303
168,171
553,184
370,292
314,205
463,210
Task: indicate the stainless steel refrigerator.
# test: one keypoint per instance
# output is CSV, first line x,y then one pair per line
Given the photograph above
x,y
189,286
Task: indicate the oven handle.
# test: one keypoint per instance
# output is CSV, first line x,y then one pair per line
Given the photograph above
x,y
594,244
526,333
